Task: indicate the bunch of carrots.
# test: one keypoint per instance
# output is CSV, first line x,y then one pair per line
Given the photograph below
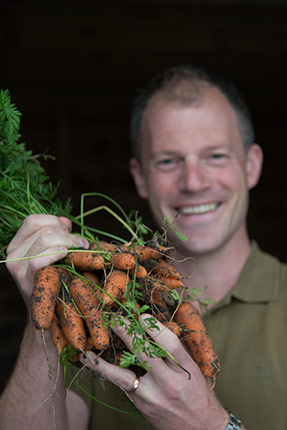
x,y
84,295
110,283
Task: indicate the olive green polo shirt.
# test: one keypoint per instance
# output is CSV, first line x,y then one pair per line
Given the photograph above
x,y
248,329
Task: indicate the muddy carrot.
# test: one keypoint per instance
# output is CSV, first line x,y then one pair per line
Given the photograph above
x,y
89,344
123,260
46,288
58,337
65,277
115,287
139,272
93,277
88,303
144,253
105,246
71,323
197,339
167,282
86,260
164,268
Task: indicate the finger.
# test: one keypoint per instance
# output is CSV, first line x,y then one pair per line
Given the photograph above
x,y
123,378
50,237
32,224
141,347
177,352
50,256
66,222
45,238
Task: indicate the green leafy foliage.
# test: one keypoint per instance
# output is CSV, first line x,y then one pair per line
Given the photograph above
x,y
171,227
24,187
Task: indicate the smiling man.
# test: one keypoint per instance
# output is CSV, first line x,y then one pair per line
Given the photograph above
x,y
195,161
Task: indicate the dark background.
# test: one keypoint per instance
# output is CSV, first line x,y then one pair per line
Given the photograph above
x,y
72,69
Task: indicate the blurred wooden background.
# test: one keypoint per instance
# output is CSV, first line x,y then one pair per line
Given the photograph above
x,y
73,68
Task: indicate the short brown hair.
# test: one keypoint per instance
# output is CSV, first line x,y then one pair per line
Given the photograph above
x,y
184,83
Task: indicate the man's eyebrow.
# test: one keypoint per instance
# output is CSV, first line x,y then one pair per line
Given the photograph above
x,y
165,152
218,147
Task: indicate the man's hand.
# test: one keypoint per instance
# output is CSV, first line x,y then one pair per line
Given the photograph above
x,y
45,237
173,394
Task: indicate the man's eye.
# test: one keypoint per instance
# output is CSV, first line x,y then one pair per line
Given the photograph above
x,y
217,156
167,163
220,157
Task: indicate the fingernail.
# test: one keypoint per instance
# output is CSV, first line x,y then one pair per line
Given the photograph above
x,y
63,249
84,243
93,359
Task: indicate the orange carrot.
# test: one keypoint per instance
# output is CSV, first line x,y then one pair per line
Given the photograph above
x,y
89,344
58,336
164,268
172,283
93,277
71,323
87,302
115,287
167,282
46,288
144,253
123,260
105,246
86,260
65,276
139,272
197,339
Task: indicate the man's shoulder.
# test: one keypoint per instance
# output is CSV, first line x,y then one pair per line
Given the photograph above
x,y
262,278
263,259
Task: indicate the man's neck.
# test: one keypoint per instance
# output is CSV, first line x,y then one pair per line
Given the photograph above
x,y
218,271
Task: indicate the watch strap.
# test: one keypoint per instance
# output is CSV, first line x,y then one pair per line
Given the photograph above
x,y
233,423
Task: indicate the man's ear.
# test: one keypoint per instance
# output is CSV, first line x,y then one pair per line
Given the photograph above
x,y
254,162
139,178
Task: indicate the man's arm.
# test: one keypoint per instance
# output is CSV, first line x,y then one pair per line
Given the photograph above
x,y
35,396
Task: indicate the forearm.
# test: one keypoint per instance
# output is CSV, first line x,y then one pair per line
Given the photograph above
x,y
28,402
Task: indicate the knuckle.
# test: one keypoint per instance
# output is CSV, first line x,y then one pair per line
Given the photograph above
x,y
13,268
48,237
35,264
174,345
34,220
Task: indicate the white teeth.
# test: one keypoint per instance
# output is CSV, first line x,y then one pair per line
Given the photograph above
x,y
200,209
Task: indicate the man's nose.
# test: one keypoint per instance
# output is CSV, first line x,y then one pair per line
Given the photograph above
x,y
194,177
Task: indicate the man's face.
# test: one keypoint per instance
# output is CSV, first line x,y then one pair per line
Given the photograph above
x,y
194,170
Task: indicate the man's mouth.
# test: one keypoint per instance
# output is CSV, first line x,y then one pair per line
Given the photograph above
x,y
197,209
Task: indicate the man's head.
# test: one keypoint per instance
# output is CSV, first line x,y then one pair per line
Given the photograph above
x,y
185,84
197,160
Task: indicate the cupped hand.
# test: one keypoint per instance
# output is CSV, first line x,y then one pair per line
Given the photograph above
x,y
42,240
173,394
